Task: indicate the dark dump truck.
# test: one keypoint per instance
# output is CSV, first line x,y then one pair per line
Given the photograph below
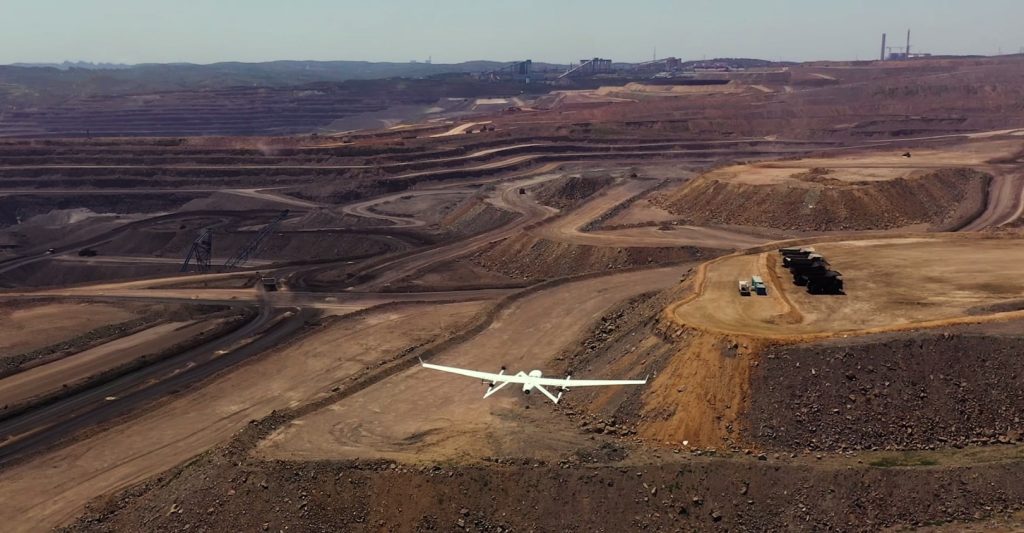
x,y
829,282
811,270
811,261
796,252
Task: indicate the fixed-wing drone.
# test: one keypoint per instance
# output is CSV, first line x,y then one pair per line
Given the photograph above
x,y
533,380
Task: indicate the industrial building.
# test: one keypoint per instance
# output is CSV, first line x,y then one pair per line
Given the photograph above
x,y
589,67
899,53
515,71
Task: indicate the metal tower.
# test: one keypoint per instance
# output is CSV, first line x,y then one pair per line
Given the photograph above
x,y
199,253
249,249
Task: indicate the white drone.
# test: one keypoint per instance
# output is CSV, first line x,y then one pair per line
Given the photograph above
x,y
533,380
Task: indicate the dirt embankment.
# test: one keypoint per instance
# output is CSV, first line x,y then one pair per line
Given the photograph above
x,y
699,382
698,397
222,491
942,200
570,191
526,256
919,390
621,343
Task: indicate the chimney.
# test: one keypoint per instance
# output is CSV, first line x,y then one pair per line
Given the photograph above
x,y
908,44
883,48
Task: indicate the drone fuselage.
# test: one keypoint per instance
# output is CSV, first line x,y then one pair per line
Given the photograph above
x,y
527,387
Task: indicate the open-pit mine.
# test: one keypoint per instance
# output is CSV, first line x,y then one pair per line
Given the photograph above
x,y
213,320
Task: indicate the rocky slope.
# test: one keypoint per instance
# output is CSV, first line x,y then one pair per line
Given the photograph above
x,y
941,200
919,390
568,192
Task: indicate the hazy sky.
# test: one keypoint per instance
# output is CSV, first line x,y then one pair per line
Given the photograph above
x,y
206,31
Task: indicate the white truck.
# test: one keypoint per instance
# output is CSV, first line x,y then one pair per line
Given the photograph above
x,y
744,287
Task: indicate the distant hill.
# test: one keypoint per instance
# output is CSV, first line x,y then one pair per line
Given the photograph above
x,y
31,85
75,64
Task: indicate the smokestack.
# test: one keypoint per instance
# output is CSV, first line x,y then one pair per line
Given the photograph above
x,y
883,48
908,43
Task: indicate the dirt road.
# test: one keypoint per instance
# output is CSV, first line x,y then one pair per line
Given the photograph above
x,y
40,253
461,128
30,327
120,259
364,208
1005,202
189,424
51,377
259,193
506,196
422,415
568,228
271,196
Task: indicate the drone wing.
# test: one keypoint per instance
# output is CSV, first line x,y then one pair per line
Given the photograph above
x,y
526,379
486,376
555,382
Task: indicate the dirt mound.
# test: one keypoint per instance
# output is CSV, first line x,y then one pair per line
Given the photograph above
x,y
428,208
527,256
570,191
910,391
473,216
331,218
942,200
63,209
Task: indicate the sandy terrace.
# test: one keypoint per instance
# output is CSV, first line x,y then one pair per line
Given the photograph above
x,y
50,377
873,166
889,284
51,489
424,415
33,327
